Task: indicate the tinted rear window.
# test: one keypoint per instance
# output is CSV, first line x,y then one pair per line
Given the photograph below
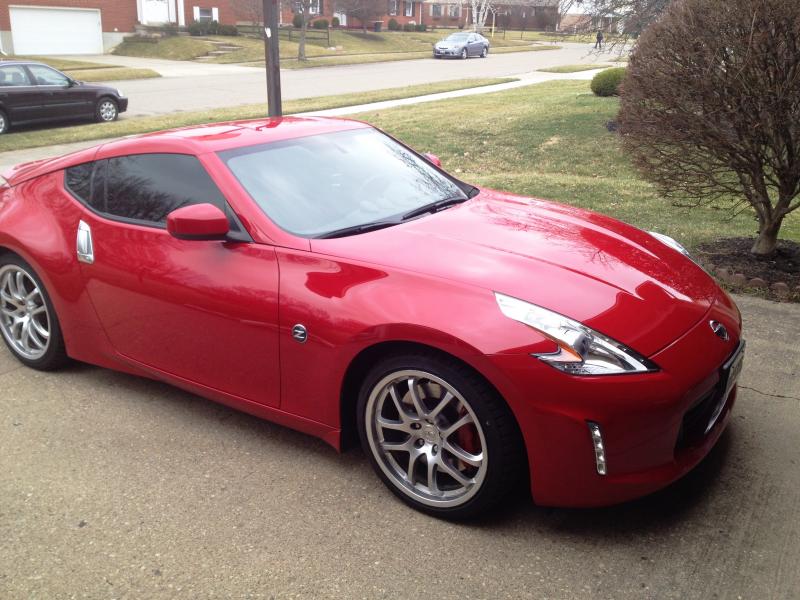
x,y
78,180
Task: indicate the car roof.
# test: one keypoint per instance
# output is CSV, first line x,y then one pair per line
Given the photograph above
x,y
195,139
217,137
4,63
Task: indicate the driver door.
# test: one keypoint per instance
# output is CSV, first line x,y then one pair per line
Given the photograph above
x,y
60,97
200,311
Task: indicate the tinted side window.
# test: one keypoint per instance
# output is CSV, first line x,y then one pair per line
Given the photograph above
x,y
12,75
78,180
47,76
147,187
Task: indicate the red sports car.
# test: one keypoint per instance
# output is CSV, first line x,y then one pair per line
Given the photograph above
x,y
321,274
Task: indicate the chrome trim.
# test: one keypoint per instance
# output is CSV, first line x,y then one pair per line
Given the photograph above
x,y
300,333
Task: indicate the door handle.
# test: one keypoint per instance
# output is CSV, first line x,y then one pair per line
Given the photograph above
x,y
84,245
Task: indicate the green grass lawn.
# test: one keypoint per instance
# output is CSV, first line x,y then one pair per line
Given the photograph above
x,y
346,47
550,141
573,68
82,70
18,140
111,74
170,48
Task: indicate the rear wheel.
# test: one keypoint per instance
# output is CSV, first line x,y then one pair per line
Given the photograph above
x,y
438,435
106,110
3,122
28,322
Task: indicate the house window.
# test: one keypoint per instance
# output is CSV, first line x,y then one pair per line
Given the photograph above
x,y
453,10
314,7
205,14
409,9
436,10
392,8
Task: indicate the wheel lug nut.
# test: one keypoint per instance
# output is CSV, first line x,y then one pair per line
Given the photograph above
x,y
420,443
435,448
415,426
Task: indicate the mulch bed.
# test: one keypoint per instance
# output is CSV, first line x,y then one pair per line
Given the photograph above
x,y
776,277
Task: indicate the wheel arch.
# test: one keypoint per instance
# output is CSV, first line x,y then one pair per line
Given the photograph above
x,y
362,362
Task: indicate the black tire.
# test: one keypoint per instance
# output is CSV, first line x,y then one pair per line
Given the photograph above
x,y
503,452
55,354
485,52
106,110
3,122
464,54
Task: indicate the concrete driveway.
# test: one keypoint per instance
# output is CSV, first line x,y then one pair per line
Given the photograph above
x,y
118,487
198,86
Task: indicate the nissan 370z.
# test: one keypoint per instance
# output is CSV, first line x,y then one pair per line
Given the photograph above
x,y
320,274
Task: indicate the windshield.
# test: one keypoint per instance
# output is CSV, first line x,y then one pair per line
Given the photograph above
x,y
315,185
457,37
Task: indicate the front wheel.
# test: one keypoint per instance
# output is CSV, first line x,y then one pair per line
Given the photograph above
x,y
439,436
106,110
485,52
464,54
28,320
3,122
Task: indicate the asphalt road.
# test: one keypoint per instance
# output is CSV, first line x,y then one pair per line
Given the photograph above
x,y
117,487
201,86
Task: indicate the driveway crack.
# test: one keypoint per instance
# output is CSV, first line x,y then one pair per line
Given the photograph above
x,y
744,387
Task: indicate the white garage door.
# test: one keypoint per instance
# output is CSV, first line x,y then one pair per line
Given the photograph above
x,y
56,30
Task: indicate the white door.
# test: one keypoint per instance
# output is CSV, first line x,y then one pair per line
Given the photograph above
x,y
155,12
342,18
56,30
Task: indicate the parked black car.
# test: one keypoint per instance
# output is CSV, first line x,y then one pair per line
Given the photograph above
x,y
31,92
462,45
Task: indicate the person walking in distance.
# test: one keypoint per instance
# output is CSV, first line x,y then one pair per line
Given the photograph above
x,y
598,45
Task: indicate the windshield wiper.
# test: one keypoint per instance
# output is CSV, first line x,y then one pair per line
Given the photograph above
x,y
417,212
432,207
356,229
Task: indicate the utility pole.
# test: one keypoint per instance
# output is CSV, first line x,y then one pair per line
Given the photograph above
x,y
272,57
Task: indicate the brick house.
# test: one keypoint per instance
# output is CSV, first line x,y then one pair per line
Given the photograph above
x,y
94,26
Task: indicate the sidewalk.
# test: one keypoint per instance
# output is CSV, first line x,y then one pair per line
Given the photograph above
x,y
9,159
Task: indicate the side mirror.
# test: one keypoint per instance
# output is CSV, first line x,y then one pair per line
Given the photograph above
x,y
198,222
433,159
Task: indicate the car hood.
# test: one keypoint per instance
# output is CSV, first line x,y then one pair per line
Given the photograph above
x,y
97,87
615,278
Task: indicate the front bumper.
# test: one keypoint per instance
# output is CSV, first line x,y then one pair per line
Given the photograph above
x,y
653,425
122,104
453,52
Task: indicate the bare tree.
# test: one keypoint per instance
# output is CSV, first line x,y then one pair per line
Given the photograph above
x,y
479,10
366,11
251,10
711,107
303,8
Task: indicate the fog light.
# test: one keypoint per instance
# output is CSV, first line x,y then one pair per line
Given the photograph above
x,y
599,448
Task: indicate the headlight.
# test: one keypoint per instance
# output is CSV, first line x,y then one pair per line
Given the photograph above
x,y
120,94
672,243
581,350
675,245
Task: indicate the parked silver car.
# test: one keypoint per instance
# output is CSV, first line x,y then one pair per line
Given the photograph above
x,y
462,45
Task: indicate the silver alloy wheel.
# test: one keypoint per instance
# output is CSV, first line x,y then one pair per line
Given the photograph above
x,y
416,424
3,123
24,319
107,110
464,54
